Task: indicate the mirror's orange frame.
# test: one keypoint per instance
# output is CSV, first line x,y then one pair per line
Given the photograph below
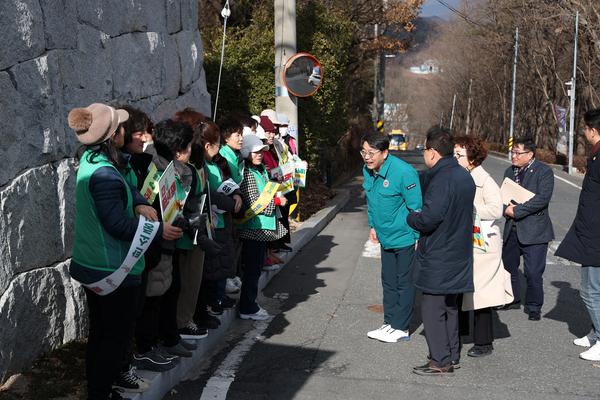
x,y
290,61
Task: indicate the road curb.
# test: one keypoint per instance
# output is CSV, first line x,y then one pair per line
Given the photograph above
x,y
163,383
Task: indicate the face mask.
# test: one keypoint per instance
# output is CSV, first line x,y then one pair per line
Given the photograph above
x,y
283,130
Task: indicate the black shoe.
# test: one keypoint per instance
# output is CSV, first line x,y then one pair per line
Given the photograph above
x,y
433,371
215,309
534,316
227,303
480,351
455,364
515,305
285,248
208,322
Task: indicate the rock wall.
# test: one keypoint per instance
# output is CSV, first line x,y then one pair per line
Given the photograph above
x,y
56,55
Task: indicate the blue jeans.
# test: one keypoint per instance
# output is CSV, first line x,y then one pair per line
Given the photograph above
x,y
590,294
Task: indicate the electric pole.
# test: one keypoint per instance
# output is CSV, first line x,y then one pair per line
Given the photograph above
x,y
514,91
285,47
572,94
469,108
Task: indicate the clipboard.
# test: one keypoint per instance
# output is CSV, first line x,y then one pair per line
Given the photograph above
x,y
512,191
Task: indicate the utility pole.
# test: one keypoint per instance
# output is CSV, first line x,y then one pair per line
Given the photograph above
x,y
573,94
514,92
378,81
285,47
452,115
469,108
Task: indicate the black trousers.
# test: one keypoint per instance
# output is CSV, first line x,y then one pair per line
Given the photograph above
x,y
440,320
111,321
534,260
483,327
253,254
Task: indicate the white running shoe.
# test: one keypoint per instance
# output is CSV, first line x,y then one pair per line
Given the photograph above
x,y
260,315
592,354
586,341
375,333
391,335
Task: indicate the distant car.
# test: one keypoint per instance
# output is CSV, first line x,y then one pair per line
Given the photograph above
x,y
420,147
314,79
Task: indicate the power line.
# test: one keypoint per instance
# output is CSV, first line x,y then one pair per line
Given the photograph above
x,y
460,14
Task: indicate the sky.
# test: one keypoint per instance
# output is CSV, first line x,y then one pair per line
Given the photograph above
x,y
434,8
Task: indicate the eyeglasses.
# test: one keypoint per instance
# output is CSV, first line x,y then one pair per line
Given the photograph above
x,y
369,154
458,155
518,153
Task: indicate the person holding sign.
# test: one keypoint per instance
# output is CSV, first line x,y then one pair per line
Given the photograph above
x,y
491,280
231,136
111,235
225,201
528,228
258,226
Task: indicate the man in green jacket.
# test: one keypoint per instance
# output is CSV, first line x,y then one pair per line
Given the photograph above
x,y
393,190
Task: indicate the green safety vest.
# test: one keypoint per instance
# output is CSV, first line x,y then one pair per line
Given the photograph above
x,y
260,221
236,167
215,179
93,247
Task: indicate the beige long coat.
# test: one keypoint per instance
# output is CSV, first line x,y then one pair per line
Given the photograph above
x,y
491,280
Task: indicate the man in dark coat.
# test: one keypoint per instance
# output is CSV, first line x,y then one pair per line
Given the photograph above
x,y
528,228
582,243
445,251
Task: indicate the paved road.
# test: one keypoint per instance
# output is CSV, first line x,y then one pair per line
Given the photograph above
x,y
316,346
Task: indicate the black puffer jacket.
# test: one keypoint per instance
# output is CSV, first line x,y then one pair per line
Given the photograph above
x,y
445,253
582,242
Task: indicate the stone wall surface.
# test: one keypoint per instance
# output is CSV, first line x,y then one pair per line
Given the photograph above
x,y
56,55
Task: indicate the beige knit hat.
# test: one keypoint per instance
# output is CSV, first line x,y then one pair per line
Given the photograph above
x,y
96,123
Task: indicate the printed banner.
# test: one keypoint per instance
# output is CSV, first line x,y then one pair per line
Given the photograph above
x,y
169,206
300,174
150,187
146,230
562,142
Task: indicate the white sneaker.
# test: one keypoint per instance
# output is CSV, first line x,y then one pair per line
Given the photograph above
x,y
592,354
231,287
375,333
391,335
586,341
260,315
237,281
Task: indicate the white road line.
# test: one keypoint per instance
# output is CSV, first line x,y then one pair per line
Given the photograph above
x,y
567,182
218,385
556,176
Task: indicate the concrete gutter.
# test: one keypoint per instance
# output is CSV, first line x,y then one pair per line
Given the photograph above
x,y
162,383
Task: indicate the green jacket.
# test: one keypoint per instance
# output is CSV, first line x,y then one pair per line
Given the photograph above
x,y
392,193
94,248
235,164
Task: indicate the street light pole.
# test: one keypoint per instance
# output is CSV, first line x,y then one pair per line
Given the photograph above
x,y
572,94
514,92
469,108
452,115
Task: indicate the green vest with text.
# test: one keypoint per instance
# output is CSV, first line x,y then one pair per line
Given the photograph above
x,y
260,221
93,247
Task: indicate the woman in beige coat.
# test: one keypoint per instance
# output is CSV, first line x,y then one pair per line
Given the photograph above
x,y
491,280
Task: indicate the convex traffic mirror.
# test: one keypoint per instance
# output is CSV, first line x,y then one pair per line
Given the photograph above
x,y
302,75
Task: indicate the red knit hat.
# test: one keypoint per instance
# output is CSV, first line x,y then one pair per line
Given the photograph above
x,y
266,124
